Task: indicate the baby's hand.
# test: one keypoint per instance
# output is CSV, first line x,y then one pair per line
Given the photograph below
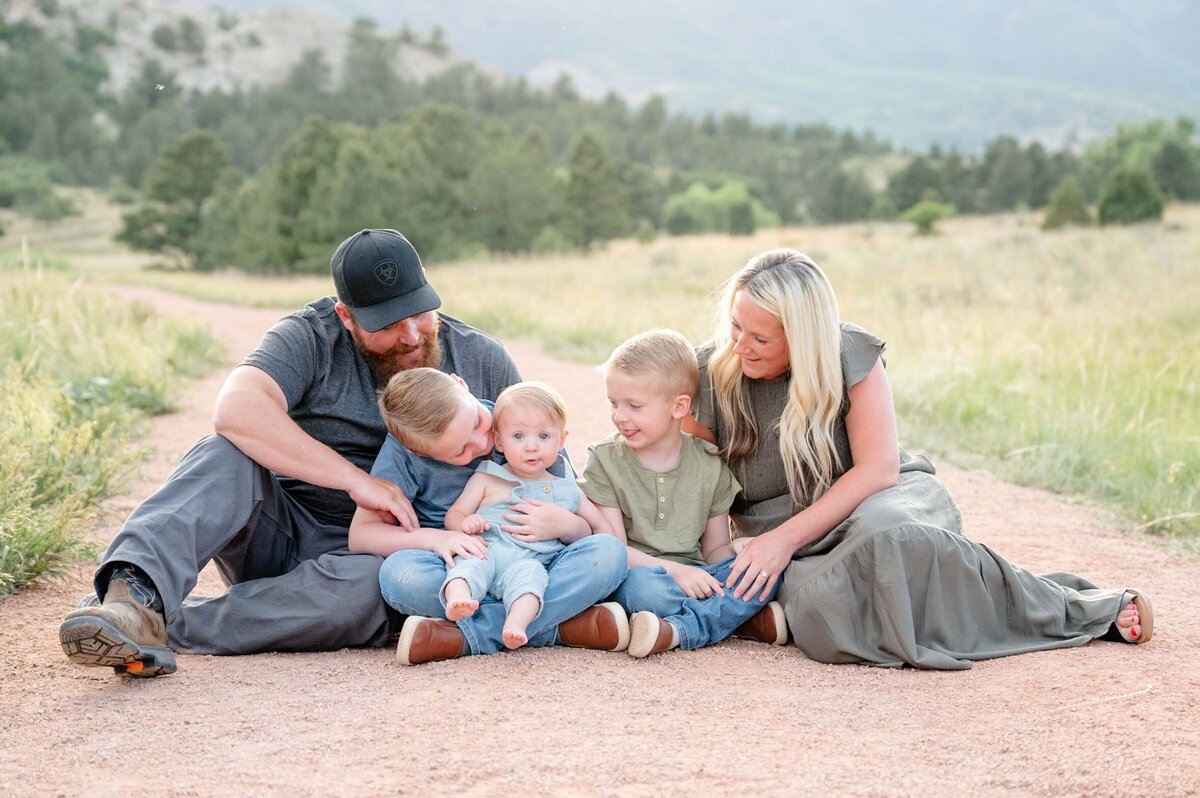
x,y
695,582
474,524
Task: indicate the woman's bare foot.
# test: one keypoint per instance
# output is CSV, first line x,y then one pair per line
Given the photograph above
x,y
458,609
1135,621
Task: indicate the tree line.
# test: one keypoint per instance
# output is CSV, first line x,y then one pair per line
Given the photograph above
x,y
268,179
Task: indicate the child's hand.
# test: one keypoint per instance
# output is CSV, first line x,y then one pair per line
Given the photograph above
x,y
697,583
448,543
474,524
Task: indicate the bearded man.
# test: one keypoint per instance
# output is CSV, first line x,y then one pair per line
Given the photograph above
x,y
269,496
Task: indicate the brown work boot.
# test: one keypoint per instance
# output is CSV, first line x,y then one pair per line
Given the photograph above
x,y
767,626
120,633
648,634
604,627
429,640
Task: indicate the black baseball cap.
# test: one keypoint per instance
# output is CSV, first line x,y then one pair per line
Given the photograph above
x,y
378,275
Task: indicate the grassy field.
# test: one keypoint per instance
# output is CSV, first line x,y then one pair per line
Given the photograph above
x,y
78,372
1067,360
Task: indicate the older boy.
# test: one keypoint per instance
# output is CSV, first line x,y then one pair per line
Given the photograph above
x,y
669,495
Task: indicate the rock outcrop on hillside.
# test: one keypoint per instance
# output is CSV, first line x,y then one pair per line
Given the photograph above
x,y
230,51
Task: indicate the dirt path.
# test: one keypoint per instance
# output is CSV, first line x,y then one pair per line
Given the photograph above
x,y
1104,720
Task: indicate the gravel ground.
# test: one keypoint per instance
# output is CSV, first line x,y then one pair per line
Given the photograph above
x,y
1103,720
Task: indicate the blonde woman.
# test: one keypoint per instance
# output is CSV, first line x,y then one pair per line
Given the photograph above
x,y
867,541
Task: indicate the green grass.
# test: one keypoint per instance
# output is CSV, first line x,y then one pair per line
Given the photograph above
x,y
1067,360
78,371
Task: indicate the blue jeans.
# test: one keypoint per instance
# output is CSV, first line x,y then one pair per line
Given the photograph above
x,y
700,622
582,574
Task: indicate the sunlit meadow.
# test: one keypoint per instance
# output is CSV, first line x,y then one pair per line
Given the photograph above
x,y
1064,359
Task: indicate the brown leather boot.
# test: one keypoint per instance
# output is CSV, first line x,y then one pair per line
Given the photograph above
x,y
429,640
648,634
767,626
120,633
604,627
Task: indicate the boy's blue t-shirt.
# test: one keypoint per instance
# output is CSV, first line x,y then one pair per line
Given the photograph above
x,y
431,485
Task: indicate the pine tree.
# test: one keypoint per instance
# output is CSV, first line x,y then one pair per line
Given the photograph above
x,y
182,179
1066,206
594,209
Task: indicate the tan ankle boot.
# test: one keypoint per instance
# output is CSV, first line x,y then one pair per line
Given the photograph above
x,y
120,633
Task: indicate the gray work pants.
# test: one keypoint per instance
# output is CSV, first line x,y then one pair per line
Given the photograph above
x,y
293,585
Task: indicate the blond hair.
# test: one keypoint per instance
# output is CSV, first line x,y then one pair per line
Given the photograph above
x,y
538,395
791,287
661,355
418,404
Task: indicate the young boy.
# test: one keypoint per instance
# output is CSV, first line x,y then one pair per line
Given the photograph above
x,y
439,433
668,496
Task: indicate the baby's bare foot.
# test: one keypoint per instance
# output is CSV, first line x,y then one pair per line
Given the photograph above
x,y
514,637
457,609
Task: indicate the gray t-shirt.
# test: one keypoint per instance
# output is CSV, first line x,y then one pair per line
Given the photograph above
x,y
331,391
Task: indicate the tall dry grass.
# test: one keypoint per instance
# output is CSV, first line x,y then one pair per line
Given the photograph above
x,y
78,371
1063,359
1068,360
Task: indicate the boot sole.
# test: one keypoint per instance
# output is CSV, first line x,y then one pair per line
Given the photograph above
x,y
643,634
781,629
92,641
407,632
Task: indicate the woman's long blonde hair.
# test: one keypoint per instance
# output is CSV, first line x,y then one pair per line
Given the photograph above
x,y
791,287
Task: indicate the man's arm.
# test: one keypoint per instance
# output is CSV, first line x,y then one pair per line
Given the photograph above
x,y
251,412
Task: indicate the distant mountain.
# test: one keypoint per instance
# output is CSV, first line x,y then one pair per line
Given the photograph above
x,y
915,72
228,51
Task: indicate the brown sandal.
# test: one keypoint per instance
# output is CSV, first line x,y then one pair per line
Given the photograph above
x,y
1145,617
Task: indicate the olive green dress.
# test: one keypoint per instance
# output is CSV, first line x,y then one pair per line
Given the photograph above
x,y
897,583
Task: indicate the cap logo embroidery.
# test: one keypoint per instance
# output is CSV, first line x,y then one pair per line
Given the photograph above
x,y
386,273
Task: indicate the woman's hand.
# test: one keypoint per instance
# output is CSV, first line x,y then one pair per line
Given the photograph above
x,y
447,544
533,521
759,564
697,583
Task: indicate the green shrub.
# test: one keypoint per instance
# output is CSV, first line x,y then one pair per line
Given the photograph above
x,y
191,36
926,213
165,37
728,209
1130,196
51,207
1066,206
645,234
550,241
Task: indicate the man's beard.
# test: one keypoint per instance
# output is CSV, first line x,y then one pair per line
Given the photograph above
x,y
427,352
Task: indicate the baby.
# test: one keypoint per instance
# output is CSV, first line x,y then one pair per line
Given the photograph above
x,y
530,426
